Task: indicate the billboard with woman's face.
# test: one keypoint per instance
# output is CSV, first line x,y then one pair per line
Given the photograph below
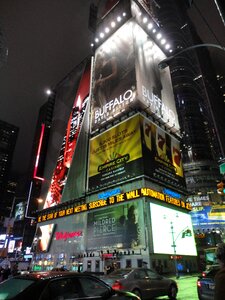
x,y
120,226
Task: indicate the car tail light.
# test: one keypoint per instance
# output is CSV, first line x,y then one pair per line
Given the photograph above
x,y
117,285
199,284
203,274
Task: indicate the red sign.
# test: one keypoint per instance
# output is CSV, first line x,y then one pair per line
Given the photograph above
x,y
68,235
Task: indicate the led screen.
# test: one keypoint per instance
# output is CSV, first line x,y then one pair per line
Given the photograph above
x,y
11,246
19,211
43,237
172,228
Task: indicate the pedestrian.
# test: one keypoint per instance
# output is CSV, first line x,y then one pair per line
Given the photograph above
x,y
220,275
1,273
15,270
5,273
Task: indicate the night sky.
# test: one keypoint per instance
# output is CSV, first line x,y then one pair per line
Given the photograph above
x,y
46,40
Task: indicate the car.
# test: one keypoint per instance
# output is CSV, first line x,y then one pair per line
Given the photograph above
x,y
206,283
209,269
144,282
59,286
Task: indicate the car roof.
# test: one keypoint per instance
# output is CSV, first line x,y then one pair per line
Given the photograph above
x,y
51,274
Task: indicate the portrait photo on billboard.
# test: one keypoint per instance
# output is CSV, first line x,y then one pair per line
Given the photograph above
x,y
121,227
161,154
154,87
115,154
43,237
113,76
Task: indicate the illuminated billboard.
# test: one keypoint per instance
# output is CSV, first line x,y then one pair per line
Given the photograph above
x,y
19,211
126,75
161,154
120,226
154,87
114,77
135,147
115,154
11,246
172,231
69,143
43,237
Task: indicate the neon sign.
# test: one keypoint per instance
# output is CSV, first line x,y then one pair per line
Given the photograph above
x,y
67,235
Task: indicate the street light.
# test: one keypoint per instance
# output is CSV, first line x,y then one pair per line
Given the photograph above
x,y
185,232
165,62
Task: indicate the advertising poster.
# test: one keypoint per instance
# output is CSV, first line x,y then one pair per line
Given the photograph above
x,y
115,154
114,77
43,237
19,211
68,146
171,230
154,87
120,227
208,217
161,154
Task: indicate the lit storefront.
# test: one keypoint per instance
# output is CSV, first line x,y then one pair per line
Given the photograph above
x,y
125,229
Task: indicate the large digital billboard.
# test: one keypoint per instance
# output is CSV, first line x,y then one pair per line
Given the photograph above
x,y
120,226
169,231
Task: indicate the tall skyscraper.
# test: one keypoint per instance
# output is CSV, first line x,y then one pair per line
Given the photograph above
x,y
198,99
8,138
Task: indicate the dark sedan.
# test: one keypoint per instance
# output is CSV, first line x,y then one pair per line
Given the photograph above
x,y
59,286
145,283
206,283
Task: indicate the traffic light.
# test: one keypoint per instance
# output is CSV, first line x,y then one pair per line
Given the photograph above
x,y
221,187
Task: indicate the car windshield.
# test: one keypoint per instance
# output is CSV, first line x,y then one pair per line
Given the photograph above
x,y
13,286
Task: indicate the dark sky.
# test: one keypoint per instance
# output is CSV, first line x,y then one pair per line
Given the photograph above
x,y
47,39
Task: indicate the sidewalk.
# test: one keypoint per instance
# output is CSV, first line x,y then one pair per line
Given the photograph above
x,y
183,276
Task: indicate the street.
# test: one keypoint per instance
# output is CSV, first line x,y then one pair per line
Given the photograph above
x,y
187,288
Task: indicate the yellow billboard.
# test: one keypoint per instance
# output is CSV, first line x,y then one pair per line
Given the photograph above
x,y
114,154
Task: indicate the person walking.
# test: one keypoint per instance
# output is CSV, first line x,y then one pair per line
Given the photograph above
x,y
5,273
220,275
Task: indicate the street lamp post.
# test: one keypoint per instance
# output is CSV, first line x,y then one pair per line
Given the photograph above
x,y
174,249
165,62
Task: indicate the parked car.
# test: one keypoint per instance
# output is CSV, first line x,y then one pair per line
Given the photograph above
x,y
143,282
206,283
59,286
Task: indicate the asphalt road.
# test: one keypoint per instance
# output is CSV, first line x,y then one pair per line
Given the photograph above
x,y
187,288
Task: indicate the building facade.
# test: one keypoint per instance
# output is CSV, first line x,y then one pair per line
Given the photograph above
x,y
115,189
